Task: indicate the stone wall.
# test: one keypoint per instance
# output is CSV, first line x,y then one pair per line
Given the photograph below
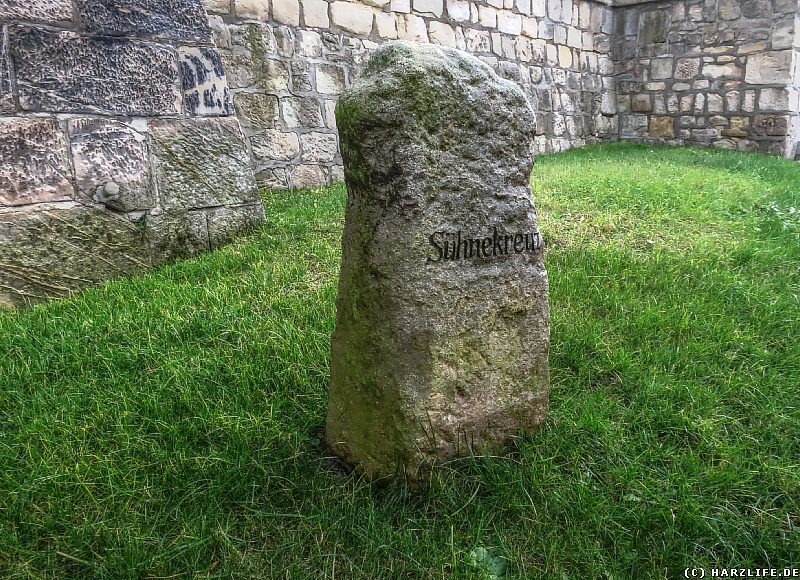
x,y
713,72
288,61
118,148
136,131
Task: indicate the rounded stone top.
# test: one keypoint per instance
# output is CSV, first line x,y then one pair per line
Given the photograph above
x,y
433,106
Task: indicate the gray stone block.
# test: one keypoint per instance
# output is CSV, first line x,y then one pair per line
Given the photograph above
x,y
205,89
47,11
201,163
106,151
168,19
34,162
653,27
67,73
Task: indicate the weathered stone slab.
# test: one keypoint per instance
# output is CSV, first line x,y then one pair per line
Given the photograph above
x,y
67,73
34,164
205,89
769,68
105,151
169,19
51,253
201,163
442,331
47,11
7,104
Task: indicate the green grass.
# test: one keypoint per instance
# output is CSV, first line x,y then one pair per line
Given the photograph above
x,y
168,425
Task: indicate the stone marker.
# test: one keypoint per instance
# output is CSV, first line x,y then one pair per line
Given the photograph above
x,y
442,326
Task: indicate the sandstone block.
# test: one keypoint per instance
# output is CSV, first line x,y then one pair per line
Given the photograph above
x,y
46,11
386,22
217,6
478,40
727,70
662,127
411,27
256,111
205,88
274,145
315,13
653,27
403,6
272,75
487,16
433,8
633,125
252,9
641,103
773,100
318,147
768,68
286,11
458,10
770,125
439,205
106,151
509,22
352,17
201,163
441,33
35,162
330,79
66,73
715,103
729,9
661,68
307,175
148,18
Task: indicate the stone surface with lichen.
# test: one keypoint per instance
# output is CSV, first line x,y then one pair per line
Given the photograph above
x,y
434,358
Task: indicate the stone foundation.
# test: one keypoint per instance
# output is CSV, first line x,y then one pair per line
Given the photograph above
x,y
118,146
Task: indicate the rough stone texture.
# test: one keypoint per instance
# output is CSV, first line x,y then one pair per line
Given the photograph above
x,y
731,60
34,162
68,73
423,370
46,11
169,19
46,253
110,191
205,89
225,222
105,151
300,65
7,104
201,163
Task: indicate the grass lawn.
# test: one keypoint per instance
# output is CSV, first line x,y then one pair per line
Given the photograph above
x,y
169,425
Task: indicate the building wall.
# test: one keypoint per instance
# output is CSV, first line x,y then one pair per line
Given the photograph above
x,y
95,99
287,63
714,72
